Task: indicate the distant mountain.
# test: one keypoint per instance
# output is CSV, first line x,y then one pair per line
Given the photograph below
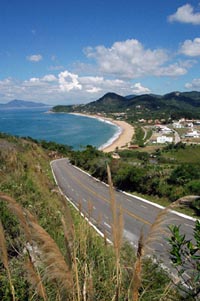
x,y
171,105
22,104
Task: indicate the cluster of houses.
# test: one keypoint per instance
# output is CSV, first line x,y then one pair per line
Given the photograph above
x,y
191,125
168,134
163,134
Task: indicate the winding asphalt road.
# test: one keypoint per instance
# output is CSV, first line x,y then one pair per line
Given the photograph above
x,y
93,197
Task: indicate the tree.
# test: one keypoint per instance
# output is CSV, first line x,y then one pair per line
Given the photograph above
x,y
185,257
184,173
129,178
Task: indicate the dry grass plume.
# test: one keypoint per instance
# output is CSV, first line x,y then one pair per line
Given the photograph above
x,y
4,258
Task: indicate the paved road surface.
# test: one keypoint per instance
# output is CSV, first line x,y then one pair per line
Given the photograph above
x,y
85,192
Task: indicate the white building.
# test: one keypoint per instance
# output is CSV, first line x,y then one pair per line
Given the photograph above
x,y
163,129
164,139
193,134
177,125
190,125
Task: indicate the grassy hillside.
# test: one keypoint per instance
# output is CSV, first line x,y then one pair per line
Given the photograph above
x,y
173,105
49,251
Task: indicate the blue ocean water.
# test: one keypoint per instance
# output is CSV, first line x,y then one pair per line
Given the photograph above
x,y
74,130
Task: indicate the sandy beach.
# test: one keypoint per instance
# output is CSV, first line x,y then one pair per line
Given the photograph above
x,y
121,142
126,135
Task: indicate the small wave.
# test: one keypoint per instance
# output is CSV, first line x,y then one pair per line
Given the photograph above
x,y
113,138
106,121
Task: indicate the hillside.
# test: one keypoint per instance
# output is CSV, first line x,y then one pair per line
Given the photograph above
x,y
172,105
22,104
49,252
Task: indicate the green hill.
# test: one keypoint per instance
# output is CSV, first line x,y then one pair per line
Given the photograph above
x,y
175,105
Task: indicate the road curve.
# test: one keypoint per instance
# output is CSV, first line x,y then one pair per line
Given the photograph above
x,y
92,196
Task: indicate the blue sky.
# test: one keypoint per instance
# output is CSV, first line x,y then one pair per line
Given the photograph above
x,y
65,52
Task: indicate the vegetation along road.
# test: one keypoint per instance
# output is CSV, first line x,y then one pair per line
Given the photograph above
x,y
93,198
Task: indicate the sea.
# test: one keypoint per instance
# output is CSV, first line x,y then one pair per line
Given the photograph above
x,y
76,131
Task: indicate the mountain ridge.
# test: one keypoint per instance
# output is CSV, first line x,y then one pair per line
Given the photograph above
x,y
22,104
171,105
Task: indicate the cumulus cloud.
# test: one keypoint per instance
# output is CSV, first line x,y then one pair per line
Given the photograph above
x,y
91,84
91,80
137,88
36,81
69,81
191,48
34,58
49,78
194,85
66,87
175,69
185,14
100,84
129,59
113,69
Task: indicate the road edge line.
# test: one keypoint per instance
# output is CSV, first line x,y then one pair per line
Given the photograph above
x,y
85,217
135,196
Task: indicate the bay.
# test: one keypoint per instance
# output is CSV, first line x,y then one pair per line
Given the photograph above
x,y
74,130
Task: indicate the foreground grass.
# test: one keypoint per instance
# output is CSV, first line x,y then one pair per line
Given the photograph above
x,y
49,252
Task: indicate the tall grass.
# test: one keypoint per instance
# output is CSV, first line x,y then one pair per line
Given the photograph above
x,y
117,234
41,248
34,277
137,271
73,275
4,258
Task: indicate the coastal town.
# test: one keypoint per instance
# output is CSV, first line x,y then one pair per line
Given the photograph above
x,y
184,130
155,132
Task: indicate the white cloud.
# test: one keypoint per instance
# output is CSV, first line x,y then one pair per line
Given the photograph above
x,y
137,88
191,48
91,80
114,69
174,70
185,14
66,88
69,81
91,84
93,90
34,58
49,78
34,80
129,59
5,81
194,85
96,84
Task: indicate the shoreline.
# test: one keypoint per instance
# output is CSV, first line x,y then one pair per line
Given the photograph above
x,y
121,139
